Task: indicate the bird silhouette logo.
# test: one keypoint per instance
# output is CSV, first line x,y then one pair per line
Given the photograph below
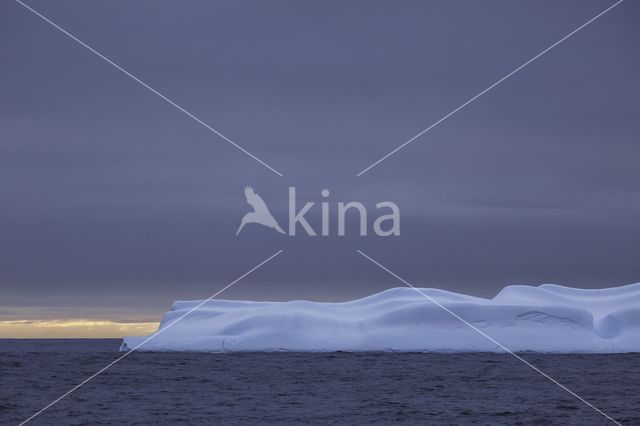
x,y
260,214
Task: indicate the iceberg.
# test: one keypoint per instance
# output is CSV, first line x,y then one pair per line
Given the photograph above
x,y
546,318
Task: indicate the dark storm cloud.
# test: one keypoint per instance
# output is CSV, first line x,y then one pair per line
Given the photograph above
x,y
111,197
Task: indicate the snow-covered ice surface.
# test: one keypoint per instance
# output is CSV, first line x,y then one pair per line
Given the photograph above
x,y
548,318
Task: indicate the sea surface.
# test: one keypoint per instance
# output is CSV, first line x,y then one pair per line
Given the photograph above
x,y
309,388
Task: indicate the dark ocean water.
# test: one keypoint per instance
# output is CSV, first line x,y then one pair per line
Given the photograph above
x,y
308,388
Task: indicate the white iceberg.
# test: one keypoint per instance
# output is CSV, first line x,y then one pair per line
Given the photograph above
x,y
548,318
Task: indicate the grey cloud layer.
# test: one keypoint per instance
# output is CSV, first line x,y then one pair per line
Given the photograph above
x,y
110,195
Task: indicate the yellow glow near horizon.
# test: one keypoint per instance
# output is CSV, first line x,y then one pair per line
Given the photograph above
x,y
73,328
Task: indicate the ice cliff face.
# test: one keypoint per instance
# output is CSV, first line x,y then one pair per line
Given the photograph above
x,y
548,318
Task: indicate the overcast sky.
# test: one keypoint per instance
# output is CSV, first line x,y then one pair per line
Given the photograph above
x,y
113,201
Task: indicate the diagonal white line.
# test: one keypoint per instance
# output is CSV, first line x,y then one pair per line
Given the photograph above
x,y
524,361
151,89
489,88
162,330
